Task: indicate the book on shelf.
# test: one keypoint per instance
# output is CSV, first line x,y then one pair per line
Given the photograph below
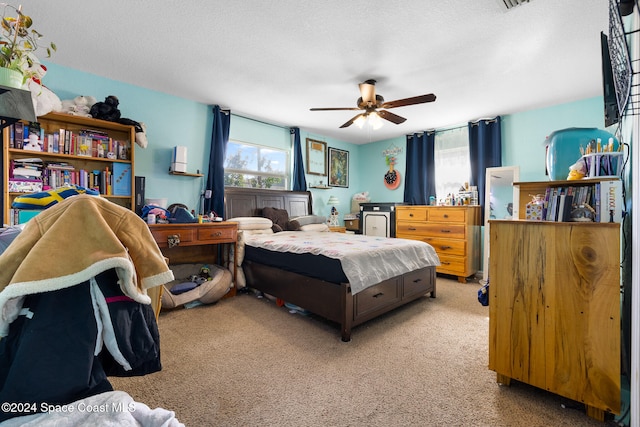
x,y
608,201
121,179
18,134
605,197
20,216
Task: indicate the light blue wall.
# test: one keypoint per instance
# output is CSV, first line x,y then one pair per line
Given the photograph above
x,y
524,134
170,121
175,121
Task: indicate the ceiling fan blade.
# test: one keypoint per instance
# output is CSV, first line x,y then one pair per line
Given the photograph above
x,y
409,101
368,91
388,115
334,109
353,119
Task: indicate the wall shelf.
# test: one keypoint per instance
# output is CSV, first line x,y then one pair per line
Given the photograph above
x,y
185,174
320,187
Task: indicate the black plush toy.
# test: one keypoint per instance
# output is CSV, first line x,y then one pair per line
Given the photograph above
x,y
107,110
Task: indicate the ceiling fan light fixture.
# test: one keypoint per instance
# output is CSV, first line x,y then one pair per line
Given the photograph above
x,y
375,121
360,121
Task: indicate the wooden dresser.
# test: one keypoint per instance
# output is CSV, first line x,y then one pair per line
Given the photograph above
x,y
554,309
453,231
196,243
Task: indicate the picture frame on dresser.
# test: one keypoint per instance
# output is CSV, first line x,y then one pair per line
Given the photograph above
x,y
338,168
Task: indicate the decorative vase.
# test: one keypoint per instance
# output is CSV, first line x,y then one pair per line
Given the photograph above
x,y
10,78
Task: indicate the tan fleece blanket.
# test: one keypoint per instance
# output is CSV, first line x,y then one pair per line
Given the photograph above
x,y
73,241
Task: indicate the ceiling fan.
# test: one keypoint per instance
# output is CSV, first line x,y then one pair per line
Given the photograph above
x,y
371,103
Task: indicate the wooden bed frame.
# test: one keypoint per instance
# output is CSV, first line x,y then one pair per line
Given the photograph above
x,y
333,301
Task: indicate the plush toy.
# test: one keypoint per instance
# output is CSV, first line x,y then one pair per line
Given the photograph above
x,y
78,106
108,110
141,131
577,170
44,100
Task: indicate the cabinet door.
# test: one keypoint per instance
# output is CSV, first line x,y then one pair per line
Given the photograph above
x,y
582,323
376,224
518,267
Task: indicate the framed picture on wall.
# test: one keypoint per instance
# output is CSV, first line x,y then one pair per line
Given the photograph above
x,y
338,168
316,157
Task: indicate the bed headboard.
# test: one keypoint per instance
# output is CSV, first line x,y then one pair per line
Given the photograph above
x,y
250,201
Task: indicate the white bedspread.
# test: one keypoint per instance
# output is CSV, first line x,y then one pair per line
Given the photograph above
x,y
365,260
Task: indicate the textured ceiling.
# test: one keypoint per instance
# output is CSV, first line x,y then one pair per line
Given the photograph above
x,y
273,60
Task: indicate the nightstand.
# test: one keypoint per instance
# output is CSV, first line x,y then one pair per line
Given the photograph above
x,y
338,229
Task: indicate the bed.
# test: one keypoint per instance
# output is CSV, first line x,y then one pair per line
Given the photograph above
x,y
331,298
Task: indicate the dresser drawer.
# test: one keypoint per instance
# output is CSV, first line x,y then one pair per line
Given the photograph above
x,y
452,231
447,246
416,282
447,215
209,234
161,235
377,296
452,265
411,214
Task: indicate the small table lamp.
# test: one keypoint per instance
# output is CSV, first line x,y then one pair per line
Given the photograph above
x,y
333,218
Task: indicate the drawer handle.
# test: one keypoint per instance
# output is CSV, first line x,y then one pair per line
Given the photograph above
x,y
173,240
417,281
444,248
412,229
446,231
444,262
216,234
446,215
379,294
411,215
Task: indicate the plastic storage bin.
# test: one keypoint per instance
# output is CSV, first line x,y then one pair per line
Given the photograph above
x,y
564,148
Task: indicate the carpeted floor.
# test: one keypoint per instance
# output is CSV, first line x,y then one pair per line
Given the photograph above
x,y
246,362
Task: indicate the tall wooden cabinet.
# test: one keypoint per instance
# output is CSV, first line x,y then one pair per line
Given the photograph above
x,y
453,231
52,123
554,309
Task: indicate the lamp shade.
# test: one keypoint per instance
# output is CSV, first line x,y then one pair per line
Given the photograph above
x,y
333,200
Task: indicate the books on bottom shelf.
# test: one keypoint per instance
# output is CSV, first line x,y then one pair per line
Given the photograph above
x,y
605,197
20,216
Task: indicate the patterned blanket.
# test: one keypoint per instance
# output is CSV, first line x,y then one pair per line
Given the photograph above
x,y
365,260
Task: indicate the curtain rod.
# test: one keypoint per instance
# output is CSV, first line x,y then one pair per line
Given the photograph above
x,y
495,119
260,121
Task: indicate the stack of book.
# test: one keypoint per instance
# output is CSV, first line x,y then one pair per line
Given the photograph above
x,y
605,197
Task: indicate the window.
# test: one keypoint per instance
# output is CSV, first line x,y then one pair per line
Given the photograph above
x,y
451,157
257,166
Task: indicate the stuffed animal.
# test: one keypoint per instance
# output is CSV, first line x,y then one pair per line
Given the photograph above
x,y
78,106
108,110
141,131
44,100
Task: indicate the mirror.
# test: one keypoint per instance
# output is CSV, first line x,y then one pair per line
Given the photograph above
x,y
500,200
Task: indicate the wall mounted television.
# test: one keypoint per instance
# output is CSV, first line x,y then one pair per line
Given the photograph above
x,y
611,111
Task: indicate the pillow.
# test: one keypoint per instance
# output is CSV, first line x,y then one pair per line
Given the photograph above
x,y
310,219
252,222
280,218
315,227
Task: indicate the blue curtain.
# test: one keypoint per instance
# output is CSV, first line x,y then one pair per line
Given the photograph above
x,y
215,176
420,179
299,180
485,151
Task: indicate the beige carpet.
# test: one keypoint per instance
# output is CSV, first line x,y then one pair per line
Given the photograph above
x,y
246,362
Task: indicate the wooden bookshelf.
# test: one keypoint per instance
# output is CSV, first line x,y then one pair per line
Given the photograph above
x,y
54,122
